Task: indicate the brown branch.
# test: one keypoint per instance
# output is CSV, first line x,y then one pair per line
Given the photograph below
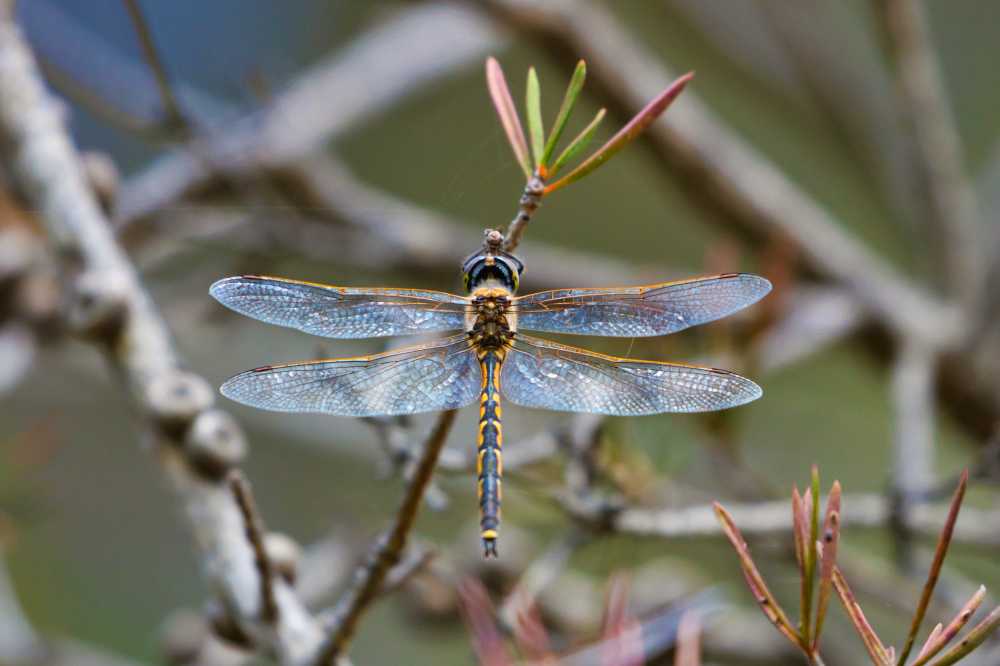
x,y
923,101
38,153
175,117
254,528
530,199
368,579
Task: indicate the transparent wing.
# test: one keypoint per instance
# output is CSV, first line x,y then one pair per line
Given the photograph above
x,y
436,376
539,373
655,309
340,312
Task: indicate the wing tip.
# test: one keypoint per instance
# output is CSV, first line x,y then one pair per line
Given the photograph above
x,y
747,390
218,288
759,286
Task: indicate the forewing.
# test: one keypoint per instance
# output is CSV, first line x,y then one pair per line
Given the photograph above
x,y
655,309
340,312
544,374
437,376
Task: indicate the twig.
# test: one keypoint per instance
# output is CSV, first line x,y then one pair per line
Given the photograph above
x,y
530,199
387,551
39,155
254,528
175,117
924,103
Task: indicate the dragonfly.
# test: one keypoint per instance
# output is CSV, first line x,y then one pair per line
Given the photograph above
x,y
489,356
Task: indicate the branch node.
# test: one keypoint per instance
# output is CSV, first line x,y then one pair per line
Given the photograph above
x,y
96,306
285,555
214,444
175,398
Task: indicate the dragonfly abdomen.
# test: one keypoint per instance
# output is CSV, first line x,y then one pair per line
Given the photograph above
x,y
489,464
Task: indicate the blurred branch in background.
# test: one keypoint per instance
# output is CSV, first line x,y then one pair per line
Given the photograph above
x,y
299,121
115,312
923,101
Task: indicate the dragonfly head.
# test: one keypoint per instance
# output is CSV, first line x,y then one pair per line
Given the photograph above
x,y
492,265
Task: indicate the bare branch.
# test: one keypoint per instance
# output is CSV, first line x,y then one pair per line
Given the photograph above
x,y
368,580
923,101
770,519
913,441
254,527
170,104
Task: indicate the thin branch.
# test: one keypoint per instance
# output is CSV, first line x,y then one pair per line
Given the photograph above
x,y
175,117
388,549
254,527
923,100
531,199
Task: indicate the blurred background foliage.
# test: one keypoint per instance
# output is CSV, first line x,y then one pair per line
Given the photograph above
x,y
97,551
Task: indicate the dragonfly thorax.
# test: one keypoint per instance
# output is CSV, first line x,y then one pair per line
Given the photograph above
x,y
491,323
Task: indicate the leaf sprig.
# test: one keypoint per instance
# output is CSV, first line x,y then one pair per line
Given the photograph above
x,y
538,161
816,550
540,170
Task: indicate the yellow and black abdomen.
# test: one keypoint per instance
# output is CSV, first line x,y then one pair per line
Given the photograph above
x,y
489,464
